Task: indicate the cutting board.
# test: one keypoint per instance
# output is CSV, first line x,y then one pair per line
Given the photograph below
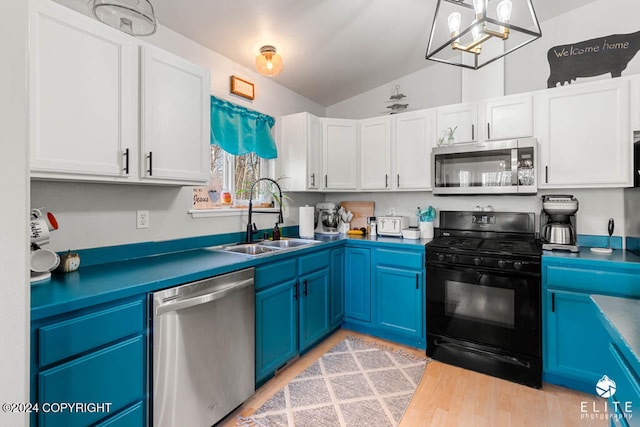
x,y
360,210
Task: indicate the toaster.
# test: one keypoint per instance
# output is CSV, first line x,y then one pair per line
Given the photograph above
x,y
391,225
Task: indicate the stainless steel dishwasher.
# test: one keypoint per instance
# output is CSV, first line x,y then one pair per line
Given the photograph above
x,y
203,349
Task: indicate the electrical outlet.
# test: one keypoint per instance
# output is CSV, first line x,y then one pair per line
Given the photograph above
x,y
142,219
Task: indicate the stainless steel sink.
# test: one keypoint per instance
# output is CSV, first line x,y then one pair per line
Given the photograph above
x,y
288,243
266,247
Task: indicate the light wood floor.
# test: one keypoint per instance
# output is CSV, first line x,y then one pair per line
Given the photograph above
x,y
451,396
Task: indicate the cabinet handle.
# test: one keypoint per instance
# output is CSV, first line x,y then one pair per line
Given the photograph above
x,y
488,131
325,181
417,282
313,179
398,180
386,180
306,283
150,157
126,161
553,302
473,132
546,174
295,290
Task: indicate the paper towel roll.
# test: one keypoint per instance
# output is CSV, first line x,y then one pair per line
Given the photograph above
x,y
306,222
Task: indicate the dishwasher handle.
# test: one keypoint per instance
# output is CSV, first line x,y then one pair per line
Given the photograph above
x,y
180,304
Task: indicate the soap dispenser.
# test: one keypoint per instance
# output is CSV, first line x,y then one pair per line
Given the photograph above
x,y
276,232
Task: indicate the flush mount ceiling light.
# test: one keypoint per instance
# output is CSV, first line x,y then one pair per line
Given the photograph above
x,y
134,17
268,62
482,31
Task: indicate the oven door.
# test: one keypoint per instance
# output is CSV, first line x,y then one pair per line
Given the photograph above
x,y
485,307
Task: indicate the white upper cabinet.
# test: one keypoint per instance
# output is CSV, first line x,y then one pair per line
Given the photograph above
x,y
82,95
340,154
414,136
584,135
375,153
300,152
508,117
176,118
98,108
461,117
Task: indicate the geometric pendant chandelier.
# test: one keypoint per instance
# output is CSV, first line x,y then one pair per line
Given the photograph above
x,y
474,33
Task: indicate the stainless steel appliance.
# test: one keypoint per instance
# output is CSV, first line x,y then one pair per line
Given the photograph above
x,y
203,349
484,295
558,222
328,218
391,225
485,168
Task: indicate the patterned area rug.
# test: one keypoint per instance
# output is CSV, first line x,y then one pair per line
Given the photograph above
x,y
356,383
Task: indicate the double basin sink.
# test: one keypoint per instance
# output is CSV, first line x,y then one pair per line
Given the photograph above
x,y
266,247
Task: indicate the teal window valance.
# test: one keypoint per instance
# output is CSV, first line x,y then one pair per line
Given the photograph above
x,y
238,130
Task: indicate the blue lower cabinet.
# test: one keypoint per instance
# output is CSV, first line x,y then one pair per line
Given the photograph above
x,y
276,328
113,376
314,303
400,295
132,416
336,288
358,284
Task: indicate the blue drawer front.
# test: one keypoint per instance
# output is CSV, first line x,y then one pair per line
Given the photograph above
x,y
74,336
399,259
313,262
130,417
592,281
272,274
112,375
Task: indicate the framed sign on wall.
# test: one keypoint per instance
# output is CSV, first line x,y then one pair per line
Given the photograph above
x,y
242,87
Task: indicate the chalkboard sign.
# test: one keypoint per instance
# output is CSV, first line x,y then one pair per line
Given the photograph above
x,y
610,54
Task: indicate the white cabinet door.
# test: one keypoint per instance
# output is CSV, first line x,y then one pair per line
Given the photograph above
x,y
176,118
375,153
461,117
82,94
340,154
509,117
584,135
414,136
300,152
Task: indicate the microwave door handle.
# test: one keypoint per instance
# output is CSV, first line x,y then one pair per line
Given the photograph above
x,y
514,166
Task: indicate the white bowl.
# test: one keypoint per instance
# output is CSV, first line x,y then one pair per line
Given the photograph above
x,y
411,233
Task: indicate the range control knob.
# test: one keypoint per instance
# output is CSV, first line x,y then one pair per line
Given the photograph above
x,y
502,263
477,260
454,259
517,265
440,257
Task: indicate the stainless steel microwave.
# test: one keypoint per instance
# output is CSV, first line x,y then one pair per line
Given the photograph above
x,y
495,167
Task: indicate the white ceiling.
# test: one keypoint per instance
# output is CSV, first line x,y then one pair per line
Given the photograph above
x,y
332,49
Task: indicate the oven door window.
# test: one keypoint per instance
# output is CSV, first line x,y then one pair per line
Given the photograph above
x,y
490,308
478,303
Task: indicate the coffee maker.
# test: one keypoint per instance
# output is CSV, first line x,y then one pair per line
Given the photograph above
x,y
328,219
558,222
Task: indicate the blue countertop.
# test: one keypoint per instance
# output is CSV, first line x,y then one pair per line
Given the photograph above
x,y
622,320
102,283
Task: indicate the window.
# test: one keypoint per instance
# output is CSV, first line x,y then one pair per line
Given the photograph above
x,y
234,174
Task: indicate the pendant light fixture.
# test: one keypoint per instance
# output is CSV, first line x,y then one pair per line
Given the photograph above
x,y
474,33
134,17
268,61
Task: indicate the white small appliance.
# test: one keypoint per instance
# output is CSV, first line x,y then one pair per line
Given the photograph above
x,y
391,225
328,219
43,261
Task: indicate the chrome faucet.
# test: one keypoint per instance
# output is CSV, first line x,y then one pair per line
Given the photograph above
x,y
251,227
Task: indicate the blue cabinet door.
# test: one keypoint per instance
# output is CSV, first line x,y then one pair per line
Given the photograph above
x,y
314,313
399,301
575,344
276,328
336,288
358,284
